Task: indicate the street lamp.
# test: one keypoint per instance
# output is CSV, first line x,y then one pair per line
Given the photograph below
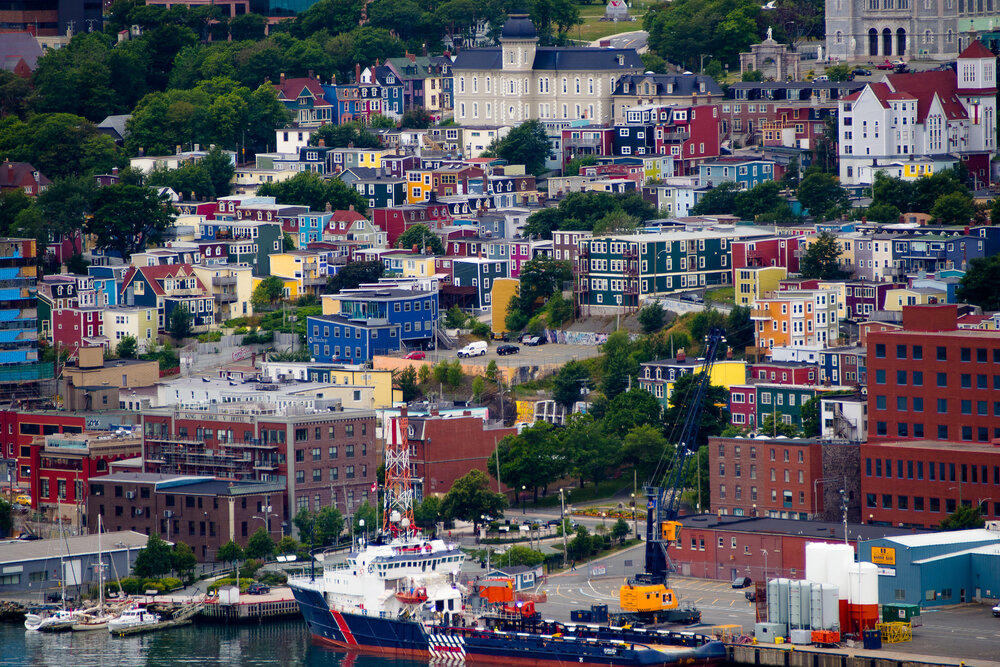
x,y
635,522
523,494
984,508
361,525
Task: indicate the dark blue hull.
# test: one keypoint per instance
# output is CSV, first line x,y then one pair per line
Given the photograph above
x,y
388,636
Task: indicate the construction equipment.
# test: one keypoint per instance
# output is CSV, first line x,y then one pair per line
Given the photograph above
x,y
646,597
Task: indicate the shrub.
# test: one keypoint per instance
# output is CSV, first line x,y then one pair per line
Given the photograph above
x,y
171,583
230,581
273,578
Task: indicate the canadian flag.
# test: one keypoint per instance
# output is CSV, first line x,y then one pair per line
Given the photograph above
x,y
374,486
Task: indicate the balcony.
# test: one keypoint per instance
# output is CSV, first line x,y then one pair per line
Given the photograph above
x,y
583,141
225,297
314,281
223,281
760,314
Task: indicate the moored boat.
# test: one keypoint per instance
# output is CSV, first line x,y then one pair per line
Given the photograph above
x,y
61,620
133,618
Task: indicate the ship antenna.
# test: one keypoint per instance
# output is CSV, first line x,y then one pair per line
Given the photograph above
x,y
397,512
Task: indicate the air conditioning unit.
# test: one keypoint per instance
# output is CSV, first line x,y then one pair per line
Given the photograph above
x,y
130,495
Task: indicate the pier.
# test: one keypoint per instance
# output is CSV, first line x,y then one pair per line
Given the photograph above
x,y
279,604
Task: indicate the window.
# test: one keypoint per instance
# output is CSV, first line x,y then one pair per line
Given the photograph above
x,y
942,353
942,379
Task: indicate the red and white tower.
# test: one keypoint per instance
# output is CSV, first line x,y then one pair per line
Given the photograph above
x,y
397,512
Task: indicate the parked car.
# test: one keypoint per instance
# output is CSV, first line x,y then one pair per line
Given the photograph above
x,y
861,71
474,349
996,610
523,337
258,589
507,349
751,596
885,65
534,341
416,354
742,582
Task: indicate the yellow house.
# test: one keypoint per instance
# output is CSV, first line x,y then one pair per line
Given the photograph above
x,y
330,304
418,266
352,376
231,286
291,287
301,266
503,291
895,299
841,289
419,186
753,283
658,377
140,322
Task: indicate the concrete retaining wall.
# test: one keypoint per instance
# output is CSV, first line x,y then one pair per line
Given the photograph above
x,y
796,657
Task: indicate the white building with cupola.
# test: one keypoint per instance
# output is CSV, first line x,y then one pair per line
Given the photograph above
x,y
521,81
916,124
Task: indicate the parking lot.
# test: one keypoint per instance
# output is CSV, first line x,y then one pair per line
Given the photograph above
x,y
542,355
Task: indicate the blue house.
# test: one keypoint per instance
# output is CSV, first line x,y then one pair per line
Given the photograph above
x,y
370,322
745,173
107,281
311,226
480,273
634,139
390,87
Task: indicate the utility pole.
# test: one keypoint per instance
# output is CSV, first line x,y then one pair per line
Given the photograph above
x,y
562,523
843,501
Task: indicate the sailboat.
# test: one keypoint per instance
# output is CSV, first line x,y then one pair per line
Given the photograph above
x,y
60,621
96,618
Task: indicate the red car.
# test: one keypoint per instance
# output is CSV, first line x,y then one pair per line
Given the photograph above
x,y
416,354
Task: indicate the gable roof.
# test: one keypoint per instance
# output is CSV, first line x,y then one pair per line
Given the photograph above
x,y
16,46
924,86
291,89
883,93
155,274
347,216
20,174
976,50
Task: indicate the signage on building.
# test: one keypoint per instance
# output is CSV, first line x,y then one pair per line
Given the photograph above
x,y
242,353
884,555
887,572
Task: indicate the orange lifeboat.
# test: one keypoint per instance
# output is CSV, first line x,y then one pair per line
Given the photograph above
x,y
412,596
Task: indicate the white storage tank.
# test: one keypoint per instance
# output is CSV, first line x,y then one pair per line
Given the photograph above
x,y
840,559
831,608
805,603
795,604
783,586
773,608
816,561
863,584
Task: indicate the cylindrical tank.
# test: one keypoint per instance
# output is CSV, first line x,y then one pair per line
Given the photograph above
x,y
773,608
840,557
816,559
831,607
867,592
795,604
805,603
783,585
816,606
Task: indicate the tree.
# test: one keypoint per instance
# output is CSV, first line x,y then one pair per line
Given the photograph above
x,y
653,63
420,236
521,555
774,425
381,122
620,530
882,213
287,545
478,386
541,223
762,203
573,166
428,513
995,211
353,274
629,409
6,518
651,317
752,75
470,498
126,218
65,204
569,382
617,365
526,144
616,222
365,513
739,327
955,208
644,447
319,528
231,552
406,380
593,450
720,200
58,145
809,414
180,322
342,136
532,458
308,189
713,409
127,348
821,258
838,72
268,292
247,26
822,195
182,560
979,284
416,118
684,31
558,309
14,92
153,561
963,518
260,545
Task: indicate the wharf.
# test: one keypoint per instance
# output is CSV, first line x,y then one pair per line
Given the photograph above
x,y
274,606
788,655
183,615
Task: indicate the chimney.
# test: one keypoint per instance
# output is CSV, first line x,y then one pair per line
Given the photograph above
x,y
329,209
281,78
416,248
178,149
447,54
333,79
351,208
729,352
681,356
377,63
357,73
114,171
321,143
310,74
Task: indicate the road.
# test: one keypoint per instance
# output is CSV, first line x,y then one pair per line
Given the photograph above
x,y
636,39
541,355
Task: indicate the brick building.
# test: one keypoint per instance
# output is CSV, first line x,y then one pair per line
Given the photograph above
x,y
323,458
726,547
933,381
445,447
202,512
919,483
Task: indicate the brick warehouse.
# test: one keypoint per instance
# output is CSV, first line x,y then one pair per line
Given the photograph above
x,y
786,478
932,381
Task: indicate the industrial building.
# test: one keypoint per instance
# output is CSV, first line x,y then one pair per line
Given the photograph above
x,y
936,569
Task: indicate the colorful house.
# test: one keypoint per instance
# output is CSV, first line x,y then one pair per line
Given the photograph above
x,y
306,100
796,318
754,283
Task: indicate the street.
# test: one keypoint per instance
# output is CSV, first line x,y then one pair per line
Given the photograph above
x,y
626,40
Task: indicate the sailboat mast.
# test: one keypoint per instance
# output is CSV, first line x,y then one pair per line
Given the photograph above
x,y
100,565
62,566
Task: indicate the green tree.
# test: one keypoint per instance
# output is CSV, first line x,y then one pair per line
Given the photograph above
x,y
651,317
478,386
995,211
809,413
558,310
126,218
568,382
319,528
353,274
421,236
954,208
617,365
616,222
342,136
268,292
752,75
630,409
821,258
762,203
720,200
470,498
231,552
521,555
593,450
416,118
260,545
773,425
183,560
180,322
153,561
526,144
247,26
58,145
645,446
822,195
573,166
882,213
287,545
427,514
713,409
308,189
979,284
65,205
381,122
838,72
366,513
894,192
14,92
653,63
453,374
541,223
406,381
127,348
6,518
963,518
620,531
532,458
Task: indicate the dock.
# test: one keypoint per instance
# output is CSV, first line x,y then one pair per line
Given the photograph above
x,y
809,656
277,605
184,616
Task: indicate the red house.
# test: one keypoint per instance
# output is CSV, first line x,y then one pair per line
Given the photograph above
x,y
22,176
73,328
772,251
691,137
397,219
784,372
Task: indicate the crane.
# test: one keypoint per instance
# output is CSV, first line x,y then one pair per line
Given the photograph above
x,y
646,597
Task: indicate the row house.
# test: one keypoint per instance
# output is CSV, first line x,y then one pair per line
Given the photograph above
x,y
107,282
76,327
248,242
588,140
862,298
166,288
796,127
390,89
469,141
566,246
784,372
844,365
676,197
139,322
632,172
306,99
292,138
427,81
356,102
753,283
397,219
350,157
767,251
746,173
517,252
456,180
479,273
307,268
636,90
751,404
950,113
658,377
308,227
690,136
352,226
796,318
752,106
382,191
64,291
22,176
322,458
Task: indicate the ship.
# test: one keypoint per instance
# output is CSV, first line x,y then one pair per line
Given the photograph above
x,y
401,595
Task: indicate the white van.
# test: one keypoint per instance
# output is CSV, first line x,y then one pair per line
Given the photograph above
x,y
476,349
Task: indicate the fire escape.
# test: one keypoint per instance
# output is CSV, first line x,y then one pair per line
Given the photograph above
x,y
630,285
581,288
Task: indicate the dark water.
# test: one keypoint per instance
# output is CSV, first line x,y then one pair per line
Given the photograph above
x,y
274,644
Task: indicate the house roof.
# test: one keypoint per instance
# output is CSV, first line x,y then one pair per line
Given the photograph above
x,y
19,174
683,85
519,26
19,45
924,86
291,89
116,123
976,50
554,58
883,93
946,537
347,216
20,551
155,274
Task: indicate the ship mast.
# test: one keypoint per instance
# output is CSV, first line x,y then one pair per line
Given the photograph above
x,y
397,512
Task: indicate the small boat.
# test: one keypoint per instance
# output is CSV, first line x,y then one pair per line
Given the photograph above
x,y
412,596
133,618
88,621
60,621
